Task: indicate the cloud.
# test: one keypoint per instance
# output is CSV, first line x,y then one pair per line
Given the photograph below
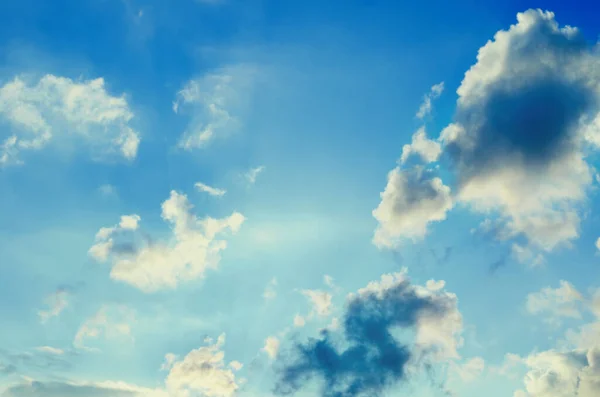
x,y
564,301
561,374
203,372
213,102
271,346
411,200
299,321
470,370
51,350
108,190
210,190
270,290
320,300
434,93
328,280
152,266
253,173
108,322
57,302
521,128
598,244
426,149
373,358
64,111
34,388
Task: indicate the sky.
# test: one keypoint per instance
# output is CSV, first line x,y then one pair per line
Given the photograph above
x,y
222,198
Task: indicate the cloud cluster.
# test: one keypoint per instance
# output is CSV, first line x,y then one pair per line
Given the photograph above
x,y
60,109
373,358
527,114
154,265
213,102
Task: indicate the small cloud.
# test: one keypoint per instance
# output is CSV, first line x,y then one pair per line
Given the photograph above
x,y
271,346
253,173
215,192
107,190
328,280
320,300
299,321
50,350
426,105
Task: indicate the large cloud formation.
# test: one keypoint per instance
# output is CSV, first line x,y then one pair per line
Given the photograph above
x,y
60,109
527,114
374,358
151,266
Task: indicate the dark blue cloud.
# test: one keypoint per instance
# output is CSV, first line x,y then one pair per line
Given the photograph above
x,y
373,359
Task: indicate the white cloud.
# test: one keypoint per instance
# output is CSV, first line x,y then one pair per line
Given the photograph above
x,y
215,192
434,93
522,128
470,370
151,266
270,290
214,101
299,321
51,350
107,190
253,173
203,372
57,302
564,301
34,388
426,149
598,244
328,280
320,300
64,111
108,322
411,200
271,346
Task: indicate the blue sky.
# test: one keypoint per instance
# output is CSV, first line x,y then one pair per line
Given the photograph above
x,y
255,198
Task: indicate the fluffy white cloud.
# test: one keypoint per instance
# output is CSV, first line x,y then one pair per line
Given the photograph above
x,y
320,300
151,266
213,191
564,301
523,114
434,93
426,149
57,302
108,322
64,111
411,200
214,102
271,346
203,372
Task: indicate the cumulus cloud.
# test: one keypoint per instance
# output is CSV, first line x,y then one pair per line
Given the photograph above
x,y
271,346
564,301
203,372
109,322
426,105
374,358
66,112
299,321
426,149
518,139
411,200
213,191
213,102
154,265
56,303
